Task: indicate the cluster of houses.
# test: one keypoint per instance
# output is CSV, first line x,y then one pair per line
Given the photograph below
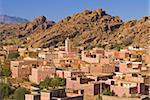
x,y
87,72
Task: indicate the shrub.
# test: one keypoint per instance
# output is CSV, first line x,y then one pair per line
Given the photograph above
x,y
108,92
99,97
6,71
13,55
20,93
35,85
5,90
52,82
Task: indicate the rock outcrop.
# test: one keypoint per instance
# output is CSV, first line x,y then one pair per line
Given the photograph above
x,y
88,28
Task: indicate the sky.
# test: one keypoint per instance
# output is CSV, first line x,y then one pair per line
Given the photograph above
x,y
58,9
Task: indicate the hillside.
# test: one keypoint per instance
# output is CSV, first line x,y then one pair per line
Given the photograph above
x,y
10,19
18,33
88,29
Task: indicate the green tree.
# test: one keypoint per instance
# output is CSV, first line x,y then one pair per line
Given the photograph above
x,y
20,93
52,82
5,90
13,55
6,71
45,83
56,82
108,92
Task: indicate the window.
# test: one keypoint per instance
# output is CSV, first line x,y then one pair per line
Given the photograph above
x,y
134,75
112,82
121,84
82,91
73,78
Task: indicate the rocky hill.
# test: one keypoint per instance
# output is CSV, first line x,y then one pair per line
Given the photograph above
x,y
18,33
10,19
88,28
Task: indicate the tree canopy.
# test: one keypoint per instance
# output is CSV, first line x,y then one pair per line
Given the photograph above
x,y
5,90
6,72
20,93
13,55
52,82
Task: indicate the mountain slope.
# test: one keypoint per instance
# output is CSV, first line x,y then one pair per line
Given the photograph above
x,y
88,28
95,28
10,19
18,33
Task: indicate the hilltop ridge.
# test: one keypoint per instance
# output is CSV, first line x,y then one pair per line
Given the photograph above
x,y
88,28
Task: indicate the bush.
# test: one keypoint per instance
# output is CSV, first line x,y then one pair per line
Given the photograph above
x,y
108,92
20,93
56,82
5,90
13,55
6,72
45,83
99,97
35,85
52,82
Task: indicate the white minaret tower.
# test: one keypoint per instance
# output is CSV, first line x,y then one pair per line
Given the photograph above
x,y
67,45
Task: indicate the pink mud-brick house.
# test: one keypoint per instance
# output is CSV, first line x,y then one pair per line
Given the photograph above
x,y
68,74
129,67
117,54
99,68
64,59
40,73
136,78
83,86
24,67
124,54
10,48
19,69
32,97
46,96
90,57
57,94
123,88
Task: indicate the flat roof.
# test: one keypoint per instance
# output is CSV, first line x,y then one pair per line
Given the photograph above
x,y
99,74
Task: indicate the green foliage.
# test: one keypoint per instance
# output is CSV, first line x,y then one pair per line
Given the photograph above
x,y
20,93
35,85
6,72
45,83
107,92
13,55
52,82
99,97
5,90
55,82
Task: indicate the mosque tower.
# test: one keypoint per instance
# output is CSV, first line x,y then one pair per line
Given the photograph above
x,y
67,45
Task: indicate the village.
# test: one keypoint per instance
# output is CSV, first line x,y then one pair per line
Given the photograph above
x,y
75,73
